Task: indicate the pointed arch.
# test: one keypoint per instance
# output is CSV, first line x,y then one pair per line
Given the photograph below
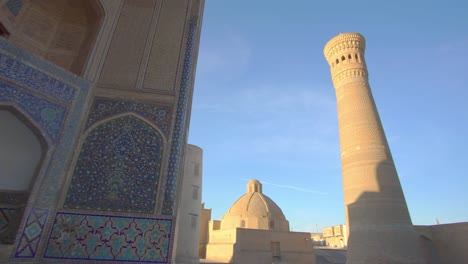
x,y
136,115
118,167
23,154
28,120
62,32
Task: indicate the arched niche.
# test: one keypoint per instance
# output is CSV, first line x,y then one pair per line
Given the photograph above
x,y
61,31
22,153
118,167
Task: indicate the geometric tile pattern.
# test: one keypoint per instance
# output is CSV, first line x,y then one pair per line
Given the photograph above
x,y
178,138
32,78
48,114
32,232
104,108
9,221
115,238
118,168
14,6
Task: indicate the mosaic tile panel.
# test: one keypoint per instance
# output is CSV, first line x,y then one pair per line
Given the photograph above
x,y
14,6
50,116
104,108
180,120
32,232
30,77
118,168
116,238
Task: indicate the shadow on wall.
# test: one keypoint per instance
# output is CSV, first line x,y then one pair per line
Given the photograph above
x,y
380,228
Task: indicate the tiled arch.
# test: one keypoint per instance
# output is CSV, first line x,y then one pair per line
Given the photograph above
x,y
118,168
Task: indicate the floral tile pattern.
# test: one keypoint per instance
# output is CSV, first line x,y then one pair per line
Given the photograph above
x,y
48,114
50,95
30,77
118,168
178,139
104,108
117,238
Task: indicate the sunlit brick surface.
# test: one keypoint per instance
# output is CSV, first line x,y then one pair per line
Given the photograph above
x,y
380,228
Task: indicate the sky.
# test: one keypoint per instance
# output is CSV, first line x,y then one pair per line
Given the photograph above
x,y
264,105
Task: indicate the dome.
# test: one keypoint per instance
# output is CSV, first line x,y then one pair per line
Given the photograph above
x,y
255,210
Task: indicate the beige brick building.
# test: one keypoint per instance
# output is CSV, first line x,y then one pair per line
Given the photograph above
x,y
335,236
255,230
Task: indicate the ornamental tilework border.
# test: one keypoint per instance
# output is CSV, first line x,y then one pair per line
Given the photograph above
x,y
50,116
32,73
118,168
27,76
109,238
104,108
180,121
31,236
38,74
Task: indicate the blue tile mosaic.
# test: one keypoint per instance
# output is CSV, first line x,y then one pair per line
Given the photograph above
x,y
118,168
46,80
115,238
179,134
23,68
49,115
104,108
26,76
32,233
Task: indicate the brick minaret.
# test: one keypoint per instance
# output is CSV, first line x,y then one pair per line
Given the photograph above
x,y
380,228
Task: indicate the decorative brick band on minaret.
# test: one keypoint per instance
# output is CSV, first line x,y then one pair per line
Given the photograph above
x,y
380,228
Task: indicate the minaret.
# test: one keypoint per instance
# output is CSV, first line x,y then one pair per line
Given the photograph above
x,y
378,220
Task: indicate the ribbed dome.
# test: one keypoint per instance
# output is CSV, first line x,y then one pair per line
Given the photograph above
x,y
255,210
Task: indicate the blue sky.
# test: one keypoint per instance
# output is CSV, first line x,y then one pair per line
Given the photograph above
x,y
264,105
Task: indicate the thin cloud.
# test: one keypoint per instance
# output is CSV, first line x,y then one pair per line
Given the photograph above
x,y
291,187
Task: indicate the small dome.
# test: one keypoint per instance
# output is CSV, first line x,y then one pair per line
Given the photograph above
x,y
255,210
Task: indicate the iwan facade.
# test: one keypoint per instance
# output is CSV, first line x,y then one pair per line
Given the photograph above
x,y
95,99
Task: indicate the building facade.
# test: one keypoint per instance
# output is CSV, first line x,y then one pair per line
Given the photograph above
x,y
100,92
204,230
255,230
187,231
335,236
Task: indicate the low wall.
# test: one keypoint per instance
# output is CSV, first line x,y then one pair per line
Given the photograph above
x,y
448,240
